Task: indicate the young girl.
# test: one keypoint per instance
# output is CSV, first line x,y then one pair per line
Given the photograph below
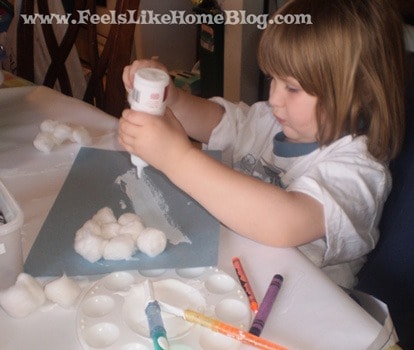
x,y
308,168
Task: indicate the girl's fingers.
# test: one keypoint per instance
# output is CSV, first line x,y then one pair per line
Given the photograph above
x,y
130,116
126,146
127,131
126,78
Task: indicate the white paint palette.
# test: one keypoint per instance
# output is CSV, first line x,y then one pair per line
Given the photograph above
x,y
111,313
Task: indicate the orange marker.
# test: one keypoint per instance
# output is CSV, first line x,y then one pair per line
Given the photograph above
x,y
245,284
220,327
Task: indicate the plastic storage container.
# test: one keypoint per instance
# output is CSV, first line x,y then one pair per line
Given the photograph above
x,y
11,257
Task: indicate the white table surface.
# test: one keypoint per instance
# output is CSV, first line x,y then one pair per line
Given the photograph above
x,y
312,312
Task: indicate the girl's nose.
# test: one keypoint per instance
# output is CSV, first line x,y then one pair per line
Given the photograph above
x,y
276,97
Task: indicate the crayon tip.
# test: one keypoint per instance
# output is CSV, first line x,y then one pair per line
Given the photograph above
x,y
254,306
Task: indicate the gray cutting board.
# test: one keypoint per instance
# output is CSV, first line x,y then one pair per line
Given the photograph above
x,y
91,185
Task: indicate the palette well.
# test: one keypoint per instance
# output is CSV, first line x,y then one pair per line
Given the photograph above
x,y
111,313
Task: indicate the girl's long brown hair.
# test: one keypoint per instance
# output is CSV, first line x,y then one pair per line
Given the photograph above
x,y
352,58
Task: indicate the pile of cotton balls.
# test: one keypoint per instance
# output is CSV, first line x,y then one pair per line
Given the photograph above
x,y
53,133
105,236
27,295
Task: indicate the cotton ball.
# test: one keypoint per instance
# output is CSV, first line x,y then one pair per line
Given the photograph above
x,y
89,246
152,241
48,125
110,230
133,229
93,227
17,301
33,286
81,135
131,223
62,132
63,291
119,248
104,215
44,142
25,297
127,218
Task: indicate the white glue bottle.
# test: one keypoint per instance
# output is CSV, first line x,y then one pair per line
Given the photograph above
x,y
148,95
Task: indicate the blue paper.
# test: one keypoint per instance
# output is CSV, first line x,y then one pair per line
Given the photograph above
x,y
91,185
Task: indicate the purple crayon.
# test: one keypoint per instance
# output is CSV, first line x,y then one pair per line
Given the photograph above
x,y
266,305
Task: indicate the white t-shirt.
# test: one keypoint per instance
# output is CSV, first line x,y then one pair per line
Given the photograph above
x,y
344,177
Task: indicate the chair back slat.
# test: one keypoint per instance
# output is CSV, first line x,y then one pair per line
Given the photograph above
x,y
57,70
24,49
105,87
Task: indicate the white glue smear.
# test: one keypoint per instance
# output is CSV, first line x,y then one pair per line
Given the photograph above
x,y
150,205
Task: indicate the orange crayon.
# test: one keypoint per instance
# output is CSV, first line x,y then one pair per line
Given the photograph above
x,y
245,284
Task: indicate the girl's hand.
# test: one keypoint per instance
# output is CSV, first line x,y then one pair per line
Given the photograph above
x,y
160,141
129,71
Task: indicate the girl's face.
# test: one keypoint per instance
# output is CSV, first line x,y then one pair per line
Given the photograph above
x,y
294,109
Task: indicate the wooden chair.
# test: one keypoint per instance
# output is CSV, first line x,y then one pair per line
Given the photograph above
x,y
104,88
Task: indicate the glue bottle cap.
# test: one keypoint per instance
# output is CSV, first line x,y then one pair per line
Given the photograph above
x,y
152,77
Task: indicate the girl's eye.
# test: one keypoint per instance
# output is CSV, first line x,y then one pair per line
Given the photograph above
x,y
291,89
